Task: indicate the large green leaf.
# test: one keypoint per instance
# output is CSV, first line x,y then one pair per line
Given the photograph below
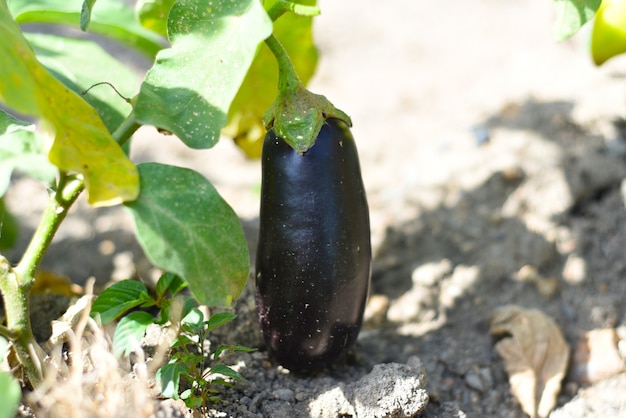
x,y
191,86
21,148
80,64
185,227
259,88
82,142
571,15
114,19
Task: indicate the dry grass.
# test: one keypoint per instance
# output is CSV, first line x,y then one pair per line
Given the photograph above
x,y
85,379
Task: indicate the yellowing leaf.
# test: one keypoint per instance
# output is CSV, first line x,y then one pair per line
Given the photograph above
x,y
535,356
608,37
81,141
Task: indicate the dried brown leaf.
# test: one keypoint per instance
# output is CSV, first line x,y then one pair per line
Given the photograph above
x,y
535,356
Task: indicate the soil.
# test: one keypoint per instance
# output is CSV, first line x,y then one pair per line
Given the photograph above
x,y
494,161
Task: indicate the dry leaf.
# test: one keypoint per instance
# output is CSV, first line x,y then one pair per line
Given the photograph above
x,y
596,356
535,356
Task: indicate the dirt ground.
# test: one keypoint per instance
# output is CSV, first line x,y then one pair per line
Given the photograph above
x,y
488,151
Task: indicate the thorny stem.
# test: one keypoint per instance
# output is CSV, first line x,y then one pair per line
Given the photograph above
x,y
16,282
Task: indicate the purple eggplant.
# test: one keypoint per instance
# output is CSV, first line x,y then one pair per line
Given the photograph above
x,y
314,254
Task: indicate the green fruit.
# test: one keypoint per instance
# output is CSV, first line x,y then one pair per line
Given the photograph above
x,y
608,37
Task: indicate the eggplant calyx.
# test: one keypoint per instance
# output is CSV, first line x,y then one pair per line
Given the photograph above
x,y
297,117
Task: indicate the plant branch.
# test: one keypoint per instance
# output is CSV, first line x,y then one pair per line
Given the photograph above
x,y
282,6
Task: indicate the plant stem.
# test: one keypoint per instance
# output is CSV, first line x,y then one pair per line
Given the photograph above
x,y
16,283
282,6
288,79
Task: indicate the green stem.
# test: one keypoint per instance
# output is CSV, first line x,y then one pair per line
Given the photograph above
x,y
283,6
288,79
16,283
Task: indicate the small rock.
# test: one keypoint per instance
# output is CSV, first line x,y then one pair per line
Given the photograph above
x,y
391,390
284,394
431,273
596,356
473,381
574,271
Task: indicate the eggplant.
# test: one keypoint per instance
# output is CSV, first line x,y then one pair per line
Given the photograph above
x,y
313,263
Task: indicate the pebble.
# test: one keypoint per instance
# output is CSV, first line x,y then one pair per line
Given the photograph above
x,y
284,394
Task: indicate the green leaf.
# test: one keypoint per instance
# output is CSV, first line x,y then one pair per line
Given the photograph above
x,y
571,15
192,84
608,37
168,377
82,142
219,319
185,227
85,14
153,14
120,297
169,282
80,64
259,88
225,371
194,317
129,331
181,341
10,395
236,348
112,18
21,148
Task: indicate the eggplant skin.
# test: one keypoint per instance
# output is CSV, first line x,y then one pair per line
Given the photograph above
x,y
314,253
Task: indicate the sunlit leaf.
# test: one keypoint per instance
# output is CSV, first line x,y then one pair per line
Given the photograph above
x,y
571,15
80,64
114,19
168,377
535,356
82,142
225,371
190,88
608,37
153,14
119,298
21,148
185,227
259,88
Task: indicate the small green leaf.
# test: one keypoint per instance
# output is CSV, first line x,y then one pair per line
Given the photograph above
x,y
82,142
235,348
21,148
225,371
194,317
259,89
168,378
112,18
169,282
85,14
192,84
153,14
10,395
129,331
181,341
185,227
571,15
120,297
219,319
